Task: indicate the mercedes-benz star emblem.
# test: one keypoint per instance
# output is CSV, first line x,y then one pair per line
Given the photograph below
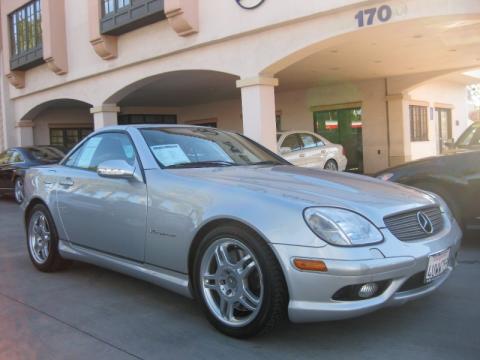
x,y
425,222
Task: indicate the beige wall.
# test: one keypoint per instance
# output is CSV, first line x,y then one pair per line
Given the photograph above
x,y
58,116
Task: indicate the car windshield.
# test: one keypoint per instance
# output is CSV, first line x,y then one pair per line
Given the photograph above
x,y
46,154
187,147
471,137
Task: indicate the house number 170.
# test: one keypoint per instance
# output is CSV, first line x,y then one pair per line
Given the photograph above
x,y
368,16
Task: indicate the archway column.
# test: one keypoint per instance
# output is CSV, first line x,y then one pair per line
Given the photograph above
x,y
258,109
105,115
24,132
398,129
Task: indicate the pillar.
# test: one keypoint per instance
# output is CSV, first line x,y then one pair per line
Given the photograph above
x,y
24,130
398,129
105,115
258,109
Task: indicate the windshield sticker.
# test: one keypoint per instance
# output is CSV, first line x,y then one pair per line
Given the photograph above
x,y
170,154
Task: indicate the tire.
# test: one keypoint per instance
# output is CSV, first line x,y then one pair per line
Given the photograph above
x,y
445,195
19,194
267,300
42,241
331,165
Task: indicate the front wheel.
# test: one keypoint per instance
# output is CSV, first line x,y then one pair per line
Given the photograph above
x,y
42,241
19,190
239,282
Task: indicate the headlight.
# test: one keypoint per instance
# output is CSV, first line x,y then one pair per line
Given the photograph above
x,y
385,177
341,227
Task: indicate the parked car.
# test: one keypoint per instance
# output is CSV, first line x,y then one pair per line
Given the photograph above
x,y
307,149
469,140
454,176
14,162
215,216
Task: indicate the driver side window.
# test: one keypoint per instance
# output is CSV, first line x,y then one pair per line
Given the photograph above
x,y
101,148
292,143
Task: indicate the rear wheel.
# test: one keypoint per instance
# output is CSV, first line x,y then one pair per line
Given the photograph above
x,y
331,165
19,190
239,283
42,241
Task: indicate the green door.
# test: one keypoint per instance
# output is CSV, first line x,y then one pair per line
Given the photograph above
x,y
343,126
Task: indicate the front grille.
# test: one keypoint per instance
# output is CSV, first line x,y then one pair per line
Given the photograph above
x,y
406,227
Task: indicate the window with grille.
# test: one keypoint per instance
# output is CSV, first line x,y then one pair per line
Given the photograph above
x,y
121,16
418,123
69,137
26,36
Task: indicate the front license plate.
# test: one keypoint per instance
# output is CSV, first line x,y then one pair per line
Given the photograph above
x,y
437,264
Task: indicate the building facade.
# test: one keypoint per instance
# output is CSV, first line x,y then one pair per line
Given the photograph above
x,y
384,78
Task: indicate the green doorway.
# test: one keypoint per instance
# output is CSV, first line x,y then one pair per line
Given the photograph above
x,y
343,126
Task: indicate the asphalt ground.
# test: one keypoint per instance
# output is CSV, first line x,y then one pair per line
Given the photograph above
x,y
87,312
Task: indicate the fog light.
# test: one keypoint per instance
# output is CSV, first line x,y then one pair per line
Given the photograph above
x,y
367,290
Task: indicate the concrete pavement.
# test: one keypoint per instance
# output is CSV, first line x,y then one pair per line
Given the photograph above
x,y
91,313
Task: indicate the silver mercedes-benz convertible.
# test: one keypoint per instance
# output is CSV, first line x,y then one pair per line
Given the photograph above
x,y
217,217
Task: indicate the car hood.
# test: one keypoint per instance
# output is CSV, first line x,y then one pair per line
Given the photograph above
x,y
370,197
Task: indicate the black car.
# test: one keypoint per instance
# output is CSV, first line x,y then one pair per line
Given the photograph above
x,y
14,162
454,176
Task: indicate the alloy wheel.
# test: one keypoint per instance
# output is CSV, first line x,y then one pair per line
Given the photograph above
x,y
232,282
39,237
330,165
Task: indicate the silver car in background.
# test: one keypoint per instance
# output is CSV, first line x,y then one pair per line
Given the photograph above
x,y
307,149
214,216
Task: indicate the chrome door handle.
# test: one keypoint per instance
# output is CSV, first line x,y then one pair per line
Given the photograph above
x,y
66,182
301,155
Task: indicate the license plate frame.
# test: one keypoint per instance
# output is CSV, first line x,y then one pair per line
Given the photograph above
x,y
437,265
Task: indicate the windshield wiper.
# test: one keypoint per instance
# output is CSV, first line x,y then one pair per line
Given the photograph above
x,y
201,164
267,162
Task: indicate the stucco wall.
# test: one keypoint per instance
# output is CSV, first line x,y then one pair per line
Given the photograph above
x,y
68,116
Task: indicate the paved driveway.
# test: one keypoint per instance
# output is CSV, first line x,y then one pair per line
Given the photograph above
x,y
90,313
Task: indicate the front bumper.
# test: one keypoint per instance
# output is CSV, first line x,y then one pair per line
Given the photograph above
x,y
311,293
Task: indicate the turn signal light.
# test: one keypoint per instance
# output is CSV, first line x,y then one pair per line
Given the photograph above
x,y
310,265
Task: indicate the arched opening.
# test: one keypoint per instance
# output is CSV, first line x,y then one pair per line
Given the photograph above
x,y
197,97
383,92
60,122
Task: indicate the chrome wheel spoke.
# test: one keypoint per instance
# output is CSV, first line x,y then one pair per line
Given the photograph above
x,y
249,300
245,272
221,254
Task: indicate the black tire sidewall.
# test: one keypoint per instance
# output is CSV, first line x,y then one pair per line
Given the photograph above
x,y
270,284
48,265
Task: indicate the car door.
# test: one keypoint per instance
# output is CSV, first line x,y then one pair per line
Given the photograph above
x,y
291,149
5,183
104,214
314,151
15,160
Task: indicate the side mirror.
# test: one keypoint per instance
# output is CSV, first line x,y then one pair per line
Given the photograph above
x,y
119,169
284,150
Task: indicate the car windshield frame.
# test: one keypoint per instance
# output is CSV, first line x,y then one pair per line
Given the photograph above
x,y
230,149
467,134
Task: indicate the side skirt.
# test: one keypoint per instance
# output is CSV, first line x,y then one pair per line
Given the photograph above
x,y
167,279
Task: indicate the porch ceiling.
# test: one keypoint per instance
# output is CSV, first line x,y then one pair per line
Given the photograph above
x,y
390,50
183,88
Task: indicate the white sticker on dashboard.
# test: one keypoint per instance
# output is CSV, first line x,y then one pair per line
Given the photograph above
x,y
170,154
